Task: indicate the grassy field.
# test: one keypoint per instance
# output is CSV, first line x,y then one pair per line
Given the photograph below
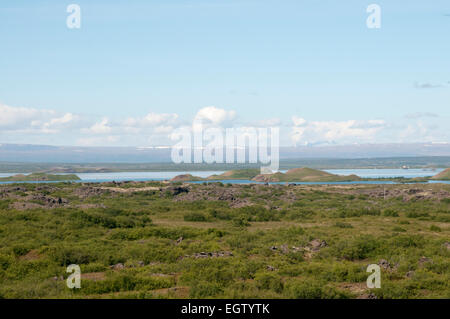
x,y
161,240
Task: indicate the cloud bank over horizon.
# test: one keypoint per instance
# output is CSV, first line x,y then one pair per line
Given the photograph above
x,y
25,125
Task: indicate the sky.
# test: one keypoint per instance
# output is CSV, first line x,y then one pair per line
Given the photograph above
x,y
136,70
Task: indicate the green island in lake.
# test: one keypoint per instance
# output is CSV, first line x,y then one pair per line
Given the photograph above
x,y
40,177
442,176
302,174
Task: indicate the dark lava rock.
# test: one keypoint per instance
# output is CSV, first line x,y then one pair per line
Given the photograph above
x,y
178,190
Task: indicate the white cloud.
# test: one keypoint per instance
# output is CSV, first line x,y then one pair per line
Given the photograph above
x,y
23,119
101,127
350,131
214,115
418,115
44,126
163,129
298,121
427,85
58,123
151,120
420,131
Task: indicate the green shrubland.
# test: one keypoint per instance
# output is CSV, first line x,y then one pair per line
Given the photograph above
x,y
154,244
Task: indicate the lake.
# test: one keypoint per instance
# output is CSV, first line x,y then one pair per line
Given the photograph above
x,y
159,176
387,172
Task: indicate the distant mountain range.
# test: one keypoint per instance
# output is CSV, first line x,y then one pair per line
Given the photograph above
x,y
74,154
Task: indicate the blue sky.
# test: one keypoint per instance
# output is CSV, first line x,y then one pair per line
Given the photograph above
x,y
160,63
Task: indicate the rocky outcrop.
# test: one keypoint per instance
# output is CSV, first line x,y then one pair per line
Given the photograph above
x,y
209,255
424,260
383,263
88,191
312,247
317,244
178,190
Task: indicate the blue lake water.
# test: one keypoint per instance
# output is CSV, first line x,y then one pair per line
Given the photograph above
x,y
395,172
159,176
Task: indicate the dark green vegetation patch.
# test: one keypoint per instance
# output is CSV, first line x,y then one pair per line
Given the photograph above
x,y
153,240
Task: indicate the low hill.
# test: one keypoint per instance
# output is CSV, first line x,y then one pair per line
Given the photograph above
x,y
33,177
236,174
186,178
246,174
442,176
304,174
